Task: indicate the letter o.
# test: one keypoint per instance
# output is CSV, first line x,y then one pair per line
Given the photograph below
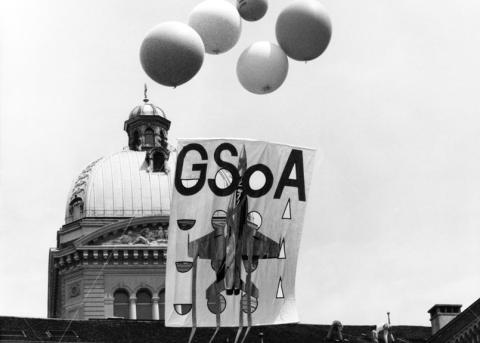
x,y
256,193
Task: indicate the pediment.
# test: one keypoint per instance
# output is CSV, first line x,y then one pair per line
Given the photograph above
x,y
148,235
143,231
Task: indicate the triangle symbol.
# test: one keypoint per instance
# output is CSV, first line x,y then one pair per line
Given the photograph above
x,y
287,212
293,174
280,290
281,254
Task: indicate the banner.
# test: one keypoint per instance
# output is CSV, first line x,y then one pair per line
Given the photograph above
x,y
235,226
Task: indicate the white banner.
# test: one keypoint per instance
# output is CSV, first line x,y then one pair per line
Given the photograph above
x,y
235,226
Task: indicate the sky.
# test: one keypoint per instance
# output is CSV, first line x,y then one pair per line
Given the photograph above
x,y
392,107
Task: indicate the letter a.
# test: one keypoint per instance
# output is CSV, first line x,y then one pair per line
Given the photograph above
x,y
294,160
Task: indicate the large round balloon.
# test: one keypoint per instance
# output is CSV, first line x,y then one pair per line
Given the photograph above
x,y
172,53
262,67
218,23
303,30
252,10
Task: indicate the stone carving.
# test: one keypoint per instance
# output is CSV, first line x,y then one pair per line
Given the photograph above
x,y
81,182
74,290
145,236
76,202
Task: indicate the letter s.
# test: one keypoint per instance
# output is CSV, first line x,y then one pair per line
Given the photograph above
x,y
225,165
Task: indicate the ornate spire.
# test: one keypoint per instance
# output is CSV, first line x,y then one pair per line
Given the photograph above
x,y
145,99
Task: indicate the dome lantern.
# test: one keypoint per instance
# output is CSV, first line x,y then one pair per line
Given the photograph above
x,y
147,128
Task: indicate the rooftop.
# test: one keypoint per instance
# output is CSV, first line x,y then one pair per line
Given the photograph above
x,y
132,331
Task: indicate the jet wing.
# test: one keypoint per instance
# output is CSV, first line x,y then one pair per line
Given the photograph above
x,y
204,247
262,246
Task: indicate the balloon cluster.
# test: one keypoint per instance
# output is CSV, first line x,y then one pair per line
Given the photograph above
x,y
172,53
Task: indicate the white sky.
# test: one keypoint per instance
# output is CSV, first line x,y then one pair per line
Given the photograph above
x,y
392,106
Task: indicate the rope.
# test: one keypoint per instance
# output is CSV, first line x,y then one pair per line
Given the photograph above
x,y
31,328
249,286
214,334
239,331
192,333
194,298
246,333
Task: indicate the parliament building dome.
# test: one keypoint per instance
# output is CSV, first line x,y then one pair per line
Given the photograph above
x,y
119,185
131,183
116,218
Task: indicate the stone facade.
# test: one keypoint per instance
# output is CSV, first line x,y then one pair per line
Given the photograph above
x,y
86,275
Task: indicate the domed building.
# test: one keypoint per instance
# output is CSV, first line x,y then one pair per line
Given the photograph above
x,y
110,254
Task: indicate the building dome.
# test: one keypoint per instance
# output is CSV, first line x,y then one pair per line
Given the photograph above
x,y
120,185
147,109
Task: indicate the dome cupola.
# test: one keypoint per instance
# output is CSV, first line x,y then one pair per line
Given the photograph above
x,y
146,109
147,127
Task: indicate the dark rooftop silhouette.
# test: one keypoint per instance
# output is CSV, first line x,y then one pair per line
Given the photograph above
x,y
19,329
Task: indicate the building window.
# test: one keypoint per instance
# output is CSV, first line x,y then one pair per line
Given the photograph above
x,y
149,137
144,304
158,162
161,304
120,303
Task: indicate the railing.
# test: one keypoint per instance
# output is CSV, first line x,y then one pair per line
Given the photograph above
x,y
119,213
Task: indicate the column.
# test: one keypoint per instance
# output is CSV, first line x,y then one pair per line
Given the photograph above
x,y
155,311
133,307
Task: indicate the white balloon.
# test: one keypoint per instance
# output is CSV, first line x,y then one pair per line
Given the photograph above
x,y
262,67
218,23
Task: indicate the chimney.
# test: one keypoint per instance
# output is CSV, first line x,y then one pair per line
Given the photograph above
x,y
441,314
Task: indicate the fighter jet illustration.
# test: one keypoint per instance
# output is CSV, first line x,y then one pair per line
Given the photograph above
x,y
235,239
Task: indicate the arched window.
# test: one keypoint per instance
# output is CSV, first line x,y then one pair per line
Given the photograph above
x,y
158,162
149,137
144,304
120,303
161,304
